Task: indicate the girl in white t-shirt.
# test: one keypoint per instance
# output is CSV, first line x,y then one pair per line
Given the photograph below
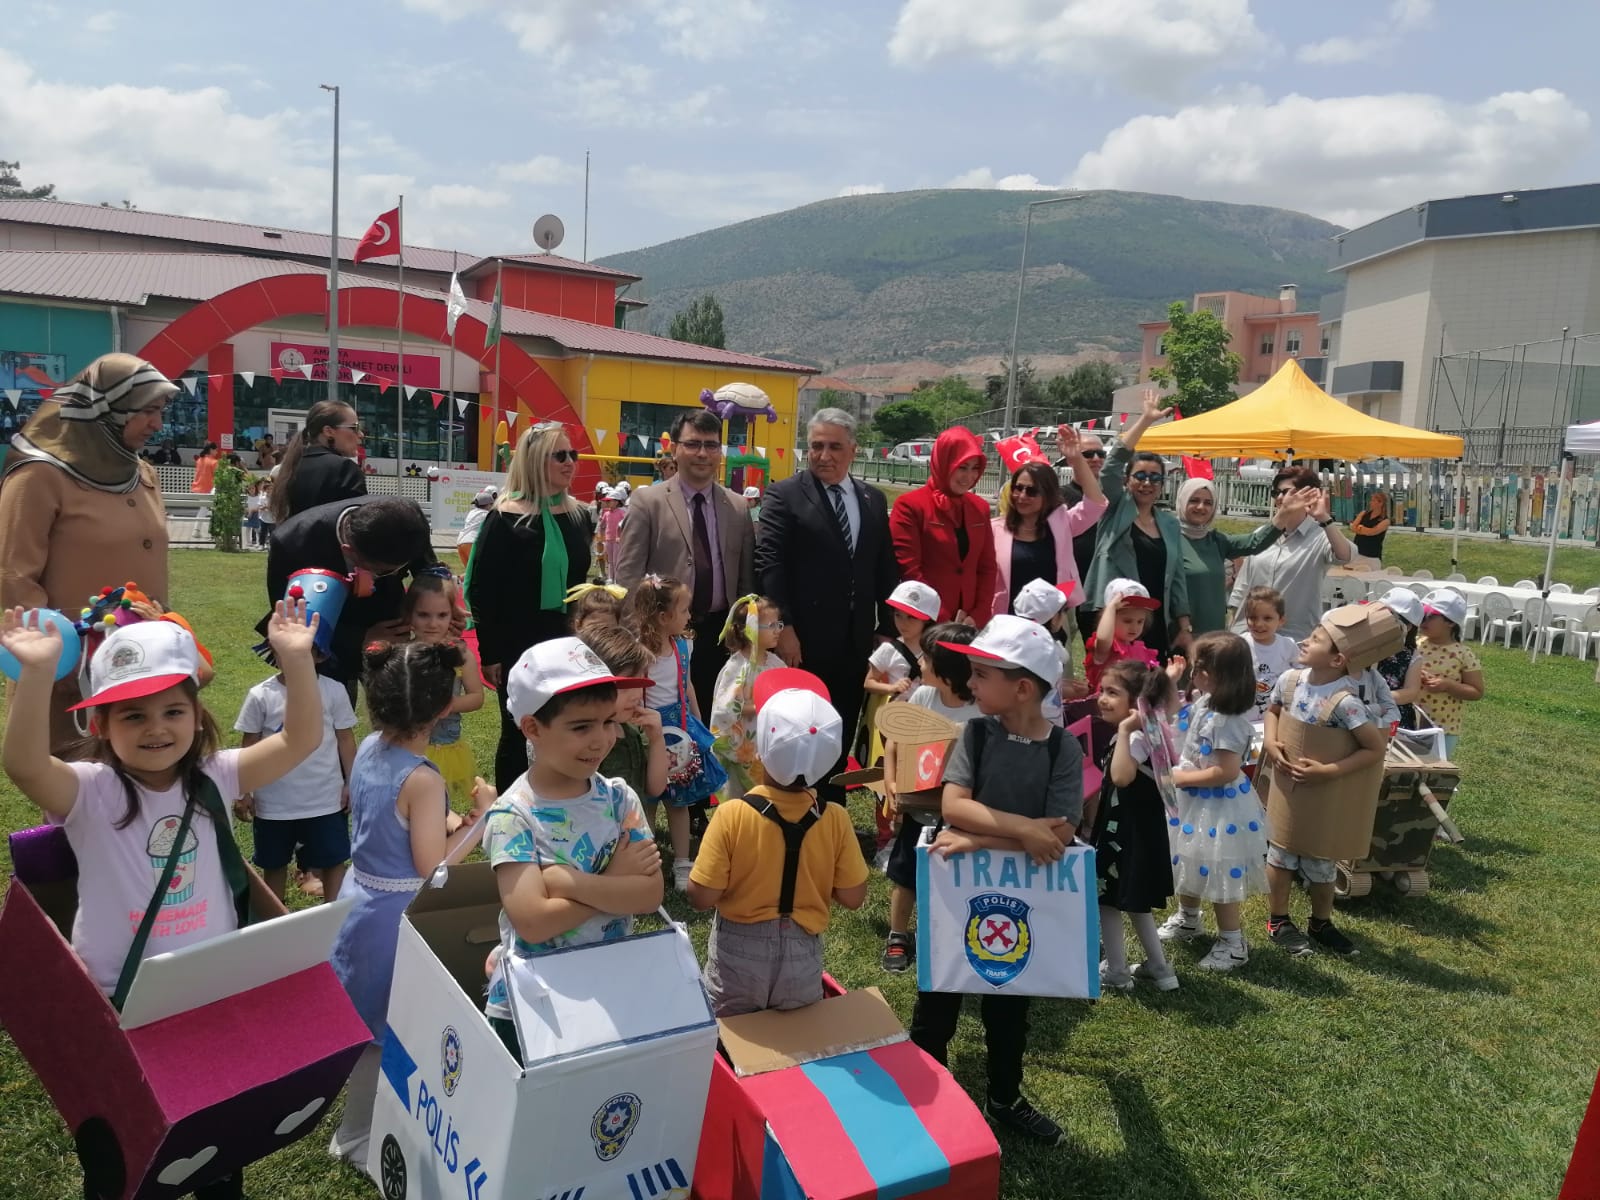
x,y
147,814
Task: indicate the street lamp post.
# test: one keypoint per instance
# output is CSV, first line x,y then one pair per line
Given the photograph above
x,y
333,257
1016,319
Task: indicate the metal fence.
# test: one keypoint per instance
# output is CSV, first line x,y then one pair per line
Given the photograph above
x,y
189,513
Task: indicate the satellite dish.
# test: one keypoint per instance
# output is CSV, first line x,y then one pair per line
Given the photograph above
x,y
548,232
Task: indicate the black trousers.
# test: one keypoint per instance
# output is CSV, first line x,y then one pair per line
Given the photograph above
x,y
706,658
511,755
843,670
1005,1035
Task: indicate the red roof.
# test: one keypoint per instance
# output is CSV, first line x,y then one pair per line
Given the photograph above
x,y
551,262
133,277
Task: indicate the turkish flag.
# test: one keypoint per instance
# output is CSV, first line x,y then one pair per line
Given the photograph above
x,y
1019,451
1197,468
382,239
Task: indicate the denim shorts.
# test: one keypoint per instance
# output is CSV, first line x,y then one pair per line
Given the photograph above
x,y
313,842
1315,870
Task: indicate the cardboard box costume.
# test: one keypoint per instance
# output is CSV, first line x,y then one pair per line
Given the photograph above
x,y
1333,818
224,1052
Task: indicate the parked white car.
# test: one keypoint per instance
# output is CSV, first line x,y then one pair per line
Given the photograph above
x,y
912,452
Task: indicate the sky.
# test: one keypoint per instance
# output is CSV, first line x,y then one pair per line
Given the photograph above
x,y
698,113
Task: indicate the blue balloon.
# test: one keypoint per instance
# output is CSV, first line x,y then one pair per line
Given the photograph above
x,y
71,646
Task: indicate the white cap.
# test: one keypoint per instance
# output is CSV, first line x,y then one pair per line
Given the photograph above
x,y
551,668
752,493
1448,603
140,660
625,488
1015,642
1404,603
917,599
1039,601
1132,593
798,738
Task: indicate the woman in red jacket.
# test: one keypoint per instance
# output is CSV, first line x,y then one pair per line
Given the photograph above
x,y
942,535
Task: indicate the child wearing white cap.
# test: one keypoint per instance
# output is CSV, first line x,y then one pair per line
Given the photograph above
x,y
613,512
1013,782
573,855
894,668
1447,674
1128,609
772,860
1045,604
1406,605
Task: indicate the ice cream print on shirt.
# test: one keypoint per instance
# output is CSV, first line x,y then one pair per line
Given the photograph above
x,y
174,918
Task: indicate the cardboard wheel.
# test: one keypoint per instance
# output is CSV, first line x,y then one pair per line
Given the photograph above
x,y
913,723
1351,884
392,1169
1411,883
100,1155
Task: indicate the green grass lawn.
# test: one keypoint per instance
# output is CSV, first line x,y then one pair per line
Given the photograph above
x,y
1451,1058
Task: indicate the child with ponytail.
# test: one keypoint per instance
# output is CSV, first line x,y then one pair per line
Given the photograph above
x,y
750,636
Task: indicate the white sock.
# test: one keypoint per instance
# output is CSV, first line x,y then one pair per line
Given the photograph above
x,y
1189,914
1234,937
1112,946
1144,924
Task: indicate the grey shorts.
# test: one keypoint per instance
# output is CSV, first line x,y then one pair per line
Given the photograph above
x,y
768,964
1315,870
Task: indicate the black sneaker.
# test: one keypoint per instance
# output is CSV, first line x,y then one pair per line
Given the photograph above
x,y
1289,938
1328,936
898,954
1025,1119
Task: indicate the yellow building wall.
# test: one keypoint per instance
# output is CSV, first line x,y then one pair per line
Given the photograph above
x,y
598,390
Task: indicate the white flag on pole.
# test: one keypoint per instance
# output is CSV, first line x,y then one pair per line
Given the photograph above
x,y
455,305
762,451
600,435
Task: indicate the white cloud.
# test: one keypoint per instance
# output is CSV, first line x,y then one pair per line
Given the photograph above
x,y
542,168
100,23
1151,45
464,195
1348,159
1402,17
700,30
983,177
863,189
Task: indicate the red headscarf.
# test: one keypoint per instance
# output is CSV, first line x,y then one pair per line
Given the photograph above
x,y
952,448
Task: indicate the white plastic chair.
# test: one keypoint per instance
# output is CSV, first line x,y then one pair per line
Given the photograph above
x,y
1455,577
1538,627
1422,574
1394,572
1333,595
1526,583
1497,617
1560,587
1489,581
1581,631
1421,589
1594,591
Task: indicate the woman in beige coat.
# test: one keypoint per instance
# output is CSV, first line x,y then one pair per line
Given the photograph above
x,y
79,511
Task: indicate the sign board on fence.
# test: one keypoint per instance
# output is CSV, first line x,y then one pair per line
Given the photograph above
x,y
450,496
996,921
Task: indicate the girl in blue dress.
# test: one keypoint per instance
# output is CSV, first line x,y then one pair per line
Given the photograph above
x,y
660,611
398,807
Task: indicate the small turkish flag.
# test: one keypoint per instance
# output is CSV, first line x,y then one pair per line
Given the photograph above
x,y
382,239
1019,451
1197,468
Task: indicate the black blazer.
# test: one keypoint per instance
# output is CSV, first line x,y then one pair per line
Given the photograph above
x,y
503,584
321,477
832,599
311,539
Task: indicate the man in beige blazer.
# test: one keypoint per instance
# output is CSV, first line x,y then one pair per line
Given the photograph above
x,y
666,523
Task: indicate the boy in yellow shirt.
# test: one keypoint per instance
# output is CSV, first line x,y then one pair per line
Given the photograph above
x,y
771,861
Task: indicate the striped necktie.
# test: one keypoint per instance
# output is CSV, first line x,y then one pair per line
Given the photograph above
x,y
836,494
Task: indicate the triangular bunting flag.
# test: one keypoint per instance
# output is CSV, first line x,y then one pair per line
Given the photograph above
x,y
1122,418
277,374
189,383
14,395
666,441
599,435
1090,423
411,392
437,396
622,439
461,406
885,452
383,384
762,451
357,376
511,418
47,393
249,378
780,451
306,369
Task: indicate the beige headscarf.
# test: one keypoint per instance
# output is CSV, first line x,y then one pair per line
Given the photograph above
x,y
79,429
1186,491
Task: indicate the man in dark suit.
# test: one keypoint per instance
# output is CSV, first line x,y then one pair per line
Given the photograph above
x,y
378,539
824,555
691,528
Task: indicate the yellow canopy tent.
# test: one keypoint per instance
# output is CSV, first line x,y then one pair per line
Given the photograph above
x,y
1291,417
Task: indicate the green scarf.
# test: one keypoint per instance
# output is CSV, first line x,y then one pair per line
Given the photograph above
x,y
553,563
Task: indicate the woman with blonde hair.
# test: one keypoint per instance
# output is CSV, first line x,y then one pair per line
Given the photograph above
x,y
533,546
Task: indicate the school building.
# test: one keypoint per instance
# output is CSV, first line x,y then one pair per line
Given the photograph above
x,y
239,315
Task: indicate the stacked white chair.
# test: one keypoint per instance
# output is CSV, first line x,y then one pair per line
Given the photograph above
x,y
1581,631
1497,617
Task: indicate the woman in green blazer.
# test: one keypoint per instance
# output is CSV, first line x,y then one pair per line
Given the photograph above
x,y
1139,541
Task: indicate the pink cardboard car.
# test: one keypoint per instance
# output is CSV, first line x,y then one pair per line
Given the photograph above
x,y
224,1052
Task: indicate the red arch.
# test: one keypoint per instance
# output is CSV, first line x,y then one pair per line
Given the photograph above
x,y
212,322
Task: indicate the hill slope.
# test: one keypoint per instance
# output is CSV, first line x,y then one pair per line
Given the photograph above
x,y
933,274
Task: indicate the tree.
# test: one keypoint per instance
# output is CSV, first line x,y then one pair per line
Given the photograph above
x,y
1088,386
227,506
11,185
1200,367
905,420
700,323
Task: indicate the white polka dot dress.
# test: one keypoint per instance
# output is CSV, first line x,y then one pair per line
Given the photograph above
x,y
1219,835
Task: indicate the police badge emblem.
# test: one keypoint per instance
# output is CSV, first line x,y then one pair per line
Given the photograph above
x,y
999,941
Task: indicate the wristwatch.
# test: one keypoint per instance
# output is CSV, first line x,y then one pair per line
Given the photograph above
x,y
1325,524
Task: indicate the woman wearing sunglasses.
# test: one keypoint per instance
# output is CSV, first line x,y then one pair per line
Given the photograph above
x,y
319,463
1140,541
533,546
1035,538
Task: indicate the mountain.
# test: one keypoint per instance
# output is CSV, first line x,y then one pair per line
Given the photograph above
x,y
933,274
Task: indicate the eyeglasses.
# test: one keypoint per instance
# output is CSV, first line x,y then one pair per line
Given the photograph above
x,y
1147,476
356,428
775,627
702,447
1025,489
564,456
1094,453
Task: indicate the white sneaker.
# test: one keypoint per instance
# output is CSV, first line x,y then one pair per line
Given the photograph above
x,y
1164,977
1180,926
1111,981
680,873
880,860
1225,956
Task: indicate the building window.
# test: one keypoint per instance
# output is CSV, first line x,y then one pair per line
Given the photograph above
x,y
1213,305
1266,343
1291,342
1327,339
1161,347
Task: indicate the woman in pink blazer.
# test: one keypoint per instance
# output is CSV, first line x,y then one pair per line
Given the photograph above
x,y
1033,540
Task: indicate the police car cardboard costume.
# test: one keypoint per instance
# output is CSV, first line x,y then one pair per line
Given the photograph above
x,y
224,1052
617,1039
